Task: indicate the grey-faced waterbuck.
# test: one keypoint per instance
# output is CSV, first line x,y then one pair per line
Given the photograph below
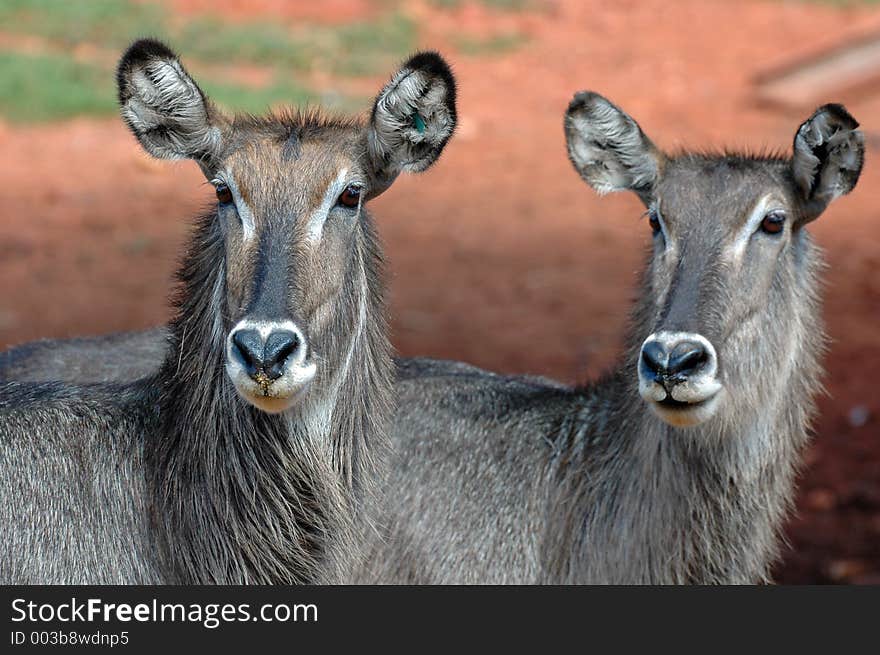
x,y
678,466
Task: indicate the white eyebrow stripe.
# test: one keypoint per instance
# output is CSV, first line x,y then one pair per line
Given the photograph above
x,y
742,239
244,211
656,209
315,225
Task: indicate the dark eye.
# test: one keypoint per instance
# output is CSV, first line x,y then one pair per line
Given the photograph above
x,y
351,196
773,223
654,221
224,194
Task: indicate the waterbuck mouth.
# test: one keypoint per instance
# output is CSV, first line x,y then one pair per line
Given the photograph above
x,y
670,403
682,414
274,396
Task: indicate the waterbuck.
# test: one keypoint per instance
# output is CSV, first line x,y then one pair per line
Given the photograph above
x,y
248,455
679,465
675,467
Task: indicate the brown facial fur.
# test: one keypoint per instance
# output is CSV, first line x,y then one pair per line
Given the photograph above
x,y
282,183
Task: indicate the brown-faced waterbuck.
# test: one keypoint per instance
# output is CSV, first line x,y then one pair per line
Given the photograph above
x,y
248,455
679,465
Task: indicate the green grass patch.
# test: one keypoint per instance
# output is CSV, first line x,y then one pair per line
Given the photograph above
x,y
509,5
492,45
51,87
354,49
506,5
39,88
103,22
235,97
364,48
212,40
357,48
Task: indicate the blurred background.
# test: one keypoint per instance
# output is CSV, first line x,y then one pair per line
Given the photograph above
x,y
499,255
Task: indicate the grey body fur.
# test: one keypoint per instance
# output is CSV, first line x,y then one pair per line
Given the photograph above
x,y
499,479
107,358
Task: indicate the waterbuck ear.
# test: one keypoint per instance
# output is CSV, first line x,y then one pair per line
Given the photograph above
x,y
413,117
608,148
164,107
828,155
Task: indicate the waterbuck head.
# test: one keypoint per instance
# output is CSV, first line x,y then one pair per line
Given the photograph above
x,y
728,299
290,193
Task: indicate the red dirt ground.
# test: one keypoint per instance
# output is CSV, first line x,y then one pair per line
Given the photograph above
x,y
500,255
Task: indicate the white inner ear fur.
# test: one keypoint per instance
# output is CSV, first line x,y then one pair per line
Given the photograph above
x,y
163,95
841,155
395,137
806,164
738,246
844,155
315,223
626,164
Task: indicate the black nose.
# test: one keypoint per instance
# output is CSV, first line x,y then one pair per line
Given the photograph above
x,y
265,358
687,357
674,361
654,356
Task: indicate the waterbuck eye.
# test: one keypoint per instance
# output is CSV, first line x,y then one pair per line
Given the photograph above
x,y
654,221
224,193
773,223
351,196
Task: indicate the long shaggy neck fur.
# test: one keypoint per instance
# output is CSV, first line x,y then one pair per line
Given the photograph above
x,y
244,497
639,501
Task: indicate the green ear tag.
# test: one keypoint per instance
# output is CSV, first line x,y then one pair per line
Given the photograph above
x,y
419,123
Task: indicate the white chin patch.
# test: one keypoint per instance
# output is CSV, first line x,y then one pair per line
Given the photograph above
x,y
686,416
278,395
269,404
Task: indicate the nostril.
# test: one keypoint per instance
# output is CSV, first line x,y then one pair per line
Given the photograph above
x,y
250,348
654,356
687,357
280,345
